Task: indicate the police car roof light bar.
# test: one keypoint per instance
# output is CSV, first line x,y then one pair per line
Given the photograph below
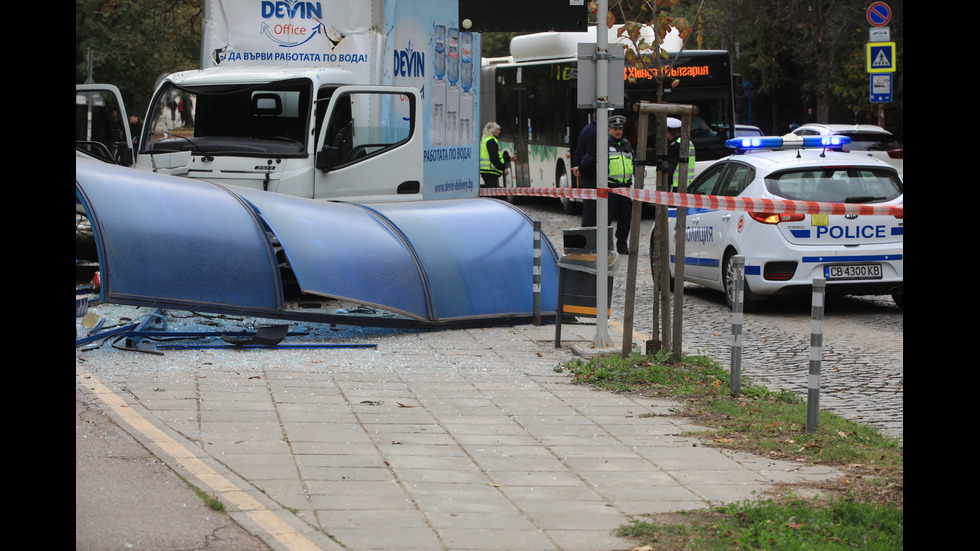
x,y
789,141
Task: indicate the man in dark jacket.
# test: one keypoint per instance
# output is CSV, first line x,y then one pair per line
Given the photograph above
x,y
583,167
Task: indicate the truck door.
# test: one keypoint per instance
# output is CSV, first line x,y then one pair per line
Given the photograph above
x,y
102,127
369,146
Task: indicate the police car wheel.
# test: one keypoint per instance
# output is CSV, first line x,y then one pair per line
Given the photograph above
x,y
728,280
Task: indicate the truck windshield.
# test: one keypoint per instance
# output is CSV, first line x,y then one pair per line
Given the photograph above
x,y
836,185
264,119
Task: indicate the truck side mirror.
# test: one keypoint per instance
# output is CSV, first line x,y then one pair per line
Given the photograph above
x,y
336,151
327,158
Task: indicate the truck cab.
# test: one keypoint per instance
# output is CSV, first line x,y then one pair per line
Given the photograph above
x,y
306,132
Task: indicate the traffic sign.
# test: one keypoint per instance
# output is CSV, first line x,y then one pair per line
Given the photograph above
x,y
879,14
881,57
881,88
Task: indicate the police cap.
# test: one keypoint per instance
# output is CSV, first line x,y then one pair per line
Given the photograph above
x,y
617,121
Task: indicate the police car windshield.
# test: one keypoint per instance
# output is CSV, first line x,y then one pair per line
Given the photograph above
x,y
836,185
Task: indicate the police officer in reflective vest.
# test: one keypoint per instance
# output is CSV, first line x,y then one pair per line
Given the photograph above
x,y
620,176
673,153
492,165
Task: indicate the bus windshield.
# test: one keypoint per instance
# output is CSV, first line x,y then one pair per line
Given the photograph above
x,y
699,78
535,104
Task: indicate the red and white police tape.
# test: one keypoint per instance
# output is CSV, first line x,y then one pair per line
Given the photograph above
x,y
713,202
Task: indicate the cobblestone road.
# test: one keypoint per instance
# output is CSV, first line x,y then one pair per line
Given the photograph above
x,y
862,361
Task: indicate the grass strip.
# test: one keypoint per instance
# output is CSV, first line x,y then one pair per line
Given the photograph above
x,y
863,510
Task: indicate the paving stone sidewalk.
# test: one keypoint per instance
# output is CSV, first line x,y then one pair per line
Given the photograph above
x,y
434,440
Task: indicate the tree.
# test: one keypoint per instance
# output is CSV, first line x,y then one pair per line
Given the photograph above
x,y
799,54
496,44
135,41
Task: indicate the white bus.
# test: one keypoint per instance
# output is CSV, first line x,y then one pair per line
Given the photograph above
x,y
532,95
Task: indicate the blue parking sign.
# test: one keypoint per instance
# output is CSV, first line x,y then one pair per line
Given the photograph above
x,y
881,88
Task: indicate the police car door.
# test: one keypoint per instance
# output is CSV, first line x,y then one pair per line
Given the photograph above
x,y
698,233
716,227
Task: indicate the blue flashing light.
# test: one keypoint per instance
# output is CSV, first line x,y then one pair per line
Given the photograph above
x,y
825,141
788,141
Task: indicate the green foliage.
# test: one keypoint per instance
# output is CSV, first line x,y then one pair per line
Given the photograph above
x,y
796,55
793,526
133,42
696,375
845,524
799,55
757,419
211,501
495,44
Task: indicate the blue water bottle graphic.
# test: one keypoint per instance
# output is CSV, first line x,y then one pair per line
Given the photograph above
x,y
452,95
439,88
467,100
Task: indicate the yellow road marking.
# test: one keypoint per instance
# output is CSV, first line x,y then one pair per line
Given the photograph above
x,y
215,482
618,325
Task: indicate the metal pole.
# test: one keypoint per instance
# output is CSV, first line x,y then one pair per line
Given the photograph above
x,y
816,348
536,279
602,339
737,310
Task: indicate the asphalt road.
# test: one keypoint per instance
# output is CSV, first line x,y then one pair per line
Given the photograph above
x,y
862,359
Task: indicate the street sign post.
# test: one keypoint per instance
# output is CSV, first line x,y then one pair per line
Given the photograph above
x,y
881,60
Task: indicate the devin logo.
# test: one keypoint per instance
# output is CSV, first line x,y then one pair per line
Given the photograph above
x,y
409,63
291,22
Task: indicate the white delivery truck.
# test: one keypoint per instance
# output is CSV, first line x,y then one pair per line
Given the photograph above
x,y
356,101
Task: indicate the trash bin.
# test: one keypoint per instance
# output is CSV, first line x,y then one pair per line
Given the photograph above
x,y
577,275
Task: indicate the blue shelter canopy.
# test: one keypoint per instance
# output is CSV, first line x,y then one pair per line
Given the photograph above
x,y
183,243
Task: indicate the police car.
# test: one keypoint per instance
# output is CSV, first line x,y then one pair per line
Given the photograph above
x,y
856,254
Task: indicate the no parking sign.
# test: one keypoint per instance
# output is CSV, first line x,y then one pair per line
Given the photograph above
x,y
879,14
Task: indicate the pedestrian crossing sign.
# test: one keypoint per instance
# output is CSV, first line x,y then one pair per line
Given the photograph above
x,y
881,57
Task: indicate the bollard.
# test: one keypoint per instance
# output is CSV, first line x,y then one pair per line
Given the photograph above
x,y
537,274
816,349
737,310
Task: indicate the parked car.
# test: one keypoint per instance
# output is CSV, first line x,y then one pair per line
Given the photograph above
x,y
745,130
866,139
785,252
